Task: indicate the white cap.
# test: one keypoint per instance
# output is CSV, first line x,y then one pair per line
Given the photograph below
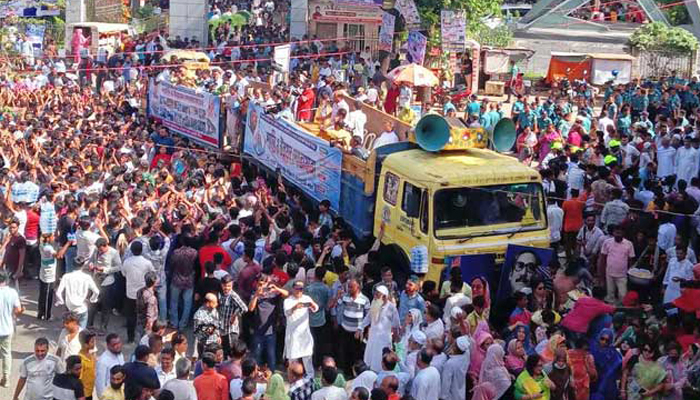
x,y
419,337
462,343
383,290
456,312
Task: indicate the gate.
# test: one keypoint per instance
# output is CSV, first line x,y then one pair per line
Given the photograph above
x,y
656,64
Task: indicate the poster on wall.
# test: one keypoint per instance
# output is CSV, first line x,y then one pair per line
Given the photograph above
x,y
386,35
188,112
35,36
408,9
308,162
416,46
453,29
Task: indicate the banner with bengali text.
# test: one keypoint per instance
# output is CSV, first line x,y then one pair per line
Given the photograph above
x,y
304,160
192,113
453,29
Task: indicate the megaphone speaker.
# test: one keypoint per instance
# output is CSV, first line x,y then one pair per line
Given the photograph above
x,y
504,135
432,132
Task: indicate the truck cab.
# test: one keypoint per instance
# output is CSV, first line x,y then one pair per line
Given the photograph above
x,y
472,201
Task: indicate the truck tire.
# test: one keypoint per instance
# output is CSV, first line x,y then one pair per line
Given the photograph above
x,y
396,258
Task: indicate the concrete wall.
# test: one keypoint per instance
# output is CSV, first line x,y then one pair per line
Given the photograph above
x,y
544,45
188,19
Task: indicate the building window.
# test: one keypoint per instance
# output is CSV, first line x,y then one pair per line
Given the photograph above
x,y
356,31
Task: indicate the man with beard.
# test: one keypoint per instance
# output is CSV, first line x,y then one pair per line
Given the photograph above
x,y
110,358
383,321
115,390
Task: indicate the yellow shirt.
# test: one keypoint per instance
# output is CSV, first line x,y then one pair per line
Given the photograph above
x,y
87,373
111,394
329,278
407,115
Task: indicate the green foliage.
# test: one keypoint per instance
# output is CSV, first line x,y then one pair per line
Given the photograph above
x,y
144,12
676,13
659,37
500,36
476,10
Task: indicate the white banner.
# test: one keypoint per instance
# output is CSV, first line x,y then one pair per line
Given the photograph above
x,y
386,35
408,9
282,56
453,29
188,112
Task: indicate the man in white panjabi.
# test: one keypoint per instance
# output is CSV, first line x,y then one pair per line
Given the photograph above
x,y
687,161
455,369
426,384
298,342
383,321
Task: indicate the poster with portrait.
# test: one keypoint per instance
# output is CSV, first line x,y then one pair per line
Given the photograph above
x,y
453,28
416,46
521,265
408,9
386,34
472,266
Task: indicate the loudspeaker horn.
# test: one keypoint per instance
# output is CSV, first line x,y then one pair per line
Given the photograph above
x,y
432,132
503,135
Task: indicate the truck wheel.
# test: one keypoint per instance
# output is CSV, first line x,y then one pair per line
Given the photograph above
x,y
396,258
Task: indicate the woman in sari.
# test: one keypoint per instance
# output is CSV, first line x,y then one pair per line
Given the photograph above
x,y
532,383
483,340
484,391
515,359
547,138
559,372
582,369
412,323
607,362
556,342
644,377
493,370
275,388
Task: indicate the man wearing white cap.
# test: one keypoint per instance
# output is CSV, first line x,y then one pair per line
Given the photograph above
x,y
415,343
383,321
454,371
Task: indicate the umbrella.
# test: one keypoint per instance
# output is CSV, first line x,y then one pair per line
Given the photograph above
x,y
186,55
414,75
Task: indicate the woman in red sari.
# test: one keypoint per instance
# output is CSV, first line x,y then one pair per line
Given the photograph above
x,y
392,96
306,101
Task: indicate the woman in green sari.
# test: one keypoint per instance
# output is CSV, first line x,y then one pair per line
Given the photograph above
x,y
532,383
644,378
275,389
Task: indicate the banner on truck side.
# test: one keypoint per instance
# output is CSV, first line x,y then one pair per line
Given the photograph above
x,y
304,160
188,112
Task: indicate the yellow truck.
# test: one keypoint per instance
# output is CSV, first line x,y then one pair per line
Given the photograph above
x,y
443,189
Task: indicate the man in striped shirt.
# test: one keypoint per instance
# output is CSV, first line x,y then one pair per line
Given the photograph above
x,y
352,309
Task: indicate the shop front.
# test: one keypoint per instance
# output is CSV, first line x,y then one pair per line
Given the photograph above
x,y
355,22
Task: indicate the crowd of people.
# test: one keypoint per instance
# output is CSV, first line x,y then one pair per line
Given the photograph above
x,y
234,286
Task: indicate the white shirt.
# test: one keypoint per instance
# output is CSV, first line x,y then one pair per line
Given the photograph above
x,y
452,377
39,375
74,289
676,269
426,384
163,376
666,158
667,236
68,348
629,152
105,362
329,393
182,389
237,393
435,329
372,95
555,215
357,120
85,243
385,138
134,270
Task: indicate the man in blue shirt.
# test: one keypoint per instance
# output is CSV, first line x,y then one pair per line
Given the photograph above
x,y
474,107
410,298
162,139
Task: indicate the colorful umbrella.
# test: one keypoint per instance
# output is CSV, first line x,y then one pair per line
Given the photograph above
x,y
414,75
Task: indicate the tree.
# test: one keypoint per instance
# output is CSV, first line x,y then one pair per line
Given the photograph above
x,y
658,37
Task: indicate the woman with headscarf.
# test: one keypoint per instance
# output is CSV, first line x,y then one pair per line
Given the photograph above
x,y
365,377
412,323
532,383
522,333
559,372
556,342
644,377
382,319
484,391
582,369
515,358
482,341
607,362
493,370
275,388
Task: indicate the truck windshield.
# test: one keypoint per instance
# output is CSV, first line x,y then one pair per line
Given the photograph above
x,y
489,209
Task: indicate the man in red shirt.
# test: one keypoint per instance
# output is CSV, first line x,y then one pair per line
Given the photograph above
x,y
279,276
573,221
306,101
206,253
211,385
31,235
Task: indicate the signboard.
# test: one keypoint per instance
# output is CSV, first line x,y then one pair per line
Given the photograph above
x,y
453,30
188,112
106,11
408,9
377,3
386,34
282,56
347,15
35,36
416,46
306,161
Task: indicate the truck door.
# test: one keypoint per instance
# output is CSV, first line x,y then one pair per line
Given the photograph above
x,y
413,217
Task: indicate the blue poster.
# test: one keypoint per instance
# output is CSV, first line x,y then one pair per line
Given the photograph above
x,y
416,46
522,264
306,161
